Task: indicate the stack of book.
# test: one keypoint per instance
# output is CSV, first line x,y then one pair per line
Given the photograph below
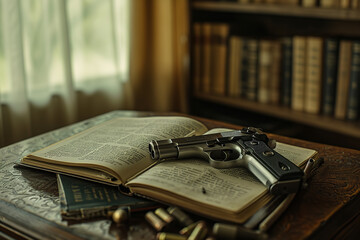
x,y
319,75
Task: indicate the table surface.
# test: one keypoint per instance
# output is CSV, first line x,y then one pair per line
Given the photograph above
x,y
29,204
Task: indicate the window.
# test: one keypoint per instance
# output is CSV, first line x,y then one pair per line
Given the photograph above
x,y
48,45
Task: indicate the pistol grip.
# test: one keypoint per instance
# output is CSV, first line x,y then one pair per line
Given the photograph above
x,y
279,174
276,164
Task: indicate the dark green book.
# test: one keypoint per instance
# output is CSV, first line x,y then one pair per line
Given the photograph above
x,y
249,68
286,75
354,95
331,51
82,200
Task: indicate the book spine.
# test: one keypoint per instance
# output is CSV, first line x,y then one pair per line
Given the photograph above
x,y
232,68
275,73
314,48
197,57
270,1
286,78
243,1
213,71
265,60
298,74
355,4
251,92
240,67
309,3
329,3
214,57
235,54
206,57
353,100
331,49
244,66
345,3
289,2
220,60
343,79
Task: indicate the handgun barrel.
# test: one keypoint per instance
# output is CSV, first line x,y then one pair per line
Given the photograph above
x,y
162,151
168,148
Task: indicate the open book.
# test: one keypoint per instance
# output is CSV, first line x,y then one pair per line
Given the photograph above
x,y
116,152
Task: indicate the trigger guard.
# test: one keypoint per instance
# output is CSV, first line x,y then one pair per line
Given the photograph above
x,y
219,155
226,164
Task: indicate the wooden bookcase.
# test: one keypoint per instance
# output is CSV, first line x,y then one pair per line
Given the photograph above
x,y
262,21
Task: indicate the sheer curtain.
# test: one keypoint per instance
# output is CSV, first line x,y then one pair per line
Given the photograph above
x,y
60,62
159,66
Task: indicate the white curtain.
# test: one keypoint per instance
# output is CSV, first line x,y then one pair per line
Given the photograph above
x,y
61,61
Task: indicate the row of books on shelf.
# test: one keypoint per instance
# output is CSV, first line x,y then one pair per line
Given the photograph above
x,y
339,4
305,73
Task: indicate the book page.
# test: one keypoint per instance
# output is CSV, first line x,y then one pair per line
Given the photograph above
x,y
231,189
119,146
297,155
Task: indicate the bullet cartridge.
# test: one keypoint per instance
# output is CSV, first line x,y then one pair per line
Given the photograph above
x,y
155,221
169,236
121,215
164,215
180,216
199,232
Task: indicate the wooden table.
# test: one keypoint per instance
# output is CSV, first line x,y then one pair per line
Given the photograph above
x,y
29,204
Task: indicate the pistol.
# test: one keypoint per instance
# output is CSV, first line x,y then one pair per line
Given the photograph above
x,y
250,148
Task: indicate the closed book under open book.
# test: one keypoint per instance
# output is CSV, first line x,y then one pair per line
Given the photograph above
x,y
81,199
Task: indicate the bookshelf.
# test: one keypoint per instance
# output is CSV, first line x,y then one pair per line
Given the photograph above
x,y
271,21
